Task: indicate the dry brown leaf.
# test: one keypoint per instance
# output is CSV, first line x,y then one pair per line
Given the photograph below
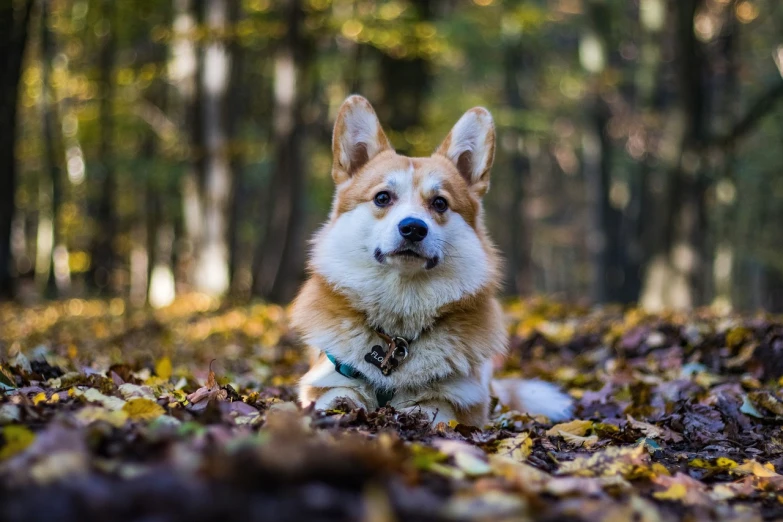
x,y
210,390
654,432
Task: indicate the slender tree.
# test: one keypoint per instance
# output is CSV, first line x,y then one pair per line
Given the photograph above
x,y
14,27
279,258
56,275
104,260
520,280
212,256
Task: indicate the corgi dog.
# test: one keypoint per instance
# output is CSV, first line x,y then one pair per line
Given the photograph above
x,y
399,308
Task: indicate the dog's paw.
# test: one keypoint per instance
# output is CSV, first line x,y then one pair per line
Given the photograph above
x,y
344,399
434,413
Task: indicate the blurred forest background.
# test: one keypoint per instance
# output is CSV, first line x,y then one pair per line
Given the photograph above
x,y
150,148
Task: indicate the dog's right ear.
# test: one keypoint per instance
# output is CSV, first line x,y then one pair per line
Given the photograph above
x,y
358,137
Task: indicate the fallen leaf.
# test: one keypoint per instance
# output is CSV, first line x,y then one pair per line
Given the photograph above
x,y
627,462
574,427
17,438
90,414
576,440
143,409
654,432
581,486
517,448
93,395
129,391
767,401
749,409
675,492
163,368
524,476
209,391
9,413
755,468
682,488
472,465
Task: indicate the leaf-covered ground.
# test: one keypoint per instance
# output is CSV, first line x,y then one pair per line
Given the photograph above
x,y
109,414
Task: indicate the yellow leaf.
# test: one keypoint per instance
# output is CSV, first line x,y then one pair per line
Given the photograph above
x,y
753,467
575,427
517,448
675,492
143,409
17,438
39,398
725,463
626,461
659,469
163,368
721,464
90,414
523,476
737,336
579,441
700,463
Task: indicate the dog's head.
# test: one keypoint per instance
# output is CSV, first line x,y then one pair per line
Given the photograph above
x,y
407,219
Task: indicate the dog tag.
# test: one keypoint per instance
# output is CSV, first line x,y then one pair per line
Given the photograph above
x,y
376,358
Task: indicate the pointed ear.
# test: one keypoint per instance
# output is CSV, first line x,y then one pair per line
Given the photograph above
x,y
358,137
471,147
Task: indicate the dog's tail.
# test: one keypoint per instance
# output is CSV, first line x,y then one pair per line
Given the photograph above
x,y
534,397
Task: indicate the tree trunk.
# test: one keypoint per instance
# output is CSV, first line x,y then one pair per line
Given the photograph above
x,y
606,241
520,276
212,256
57,274
184,66
13,39
103,254
238,93
279,258
673,277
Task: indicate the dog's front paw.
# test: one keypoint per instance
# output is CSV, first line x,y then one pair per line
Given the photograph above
x,y
434,412
340,399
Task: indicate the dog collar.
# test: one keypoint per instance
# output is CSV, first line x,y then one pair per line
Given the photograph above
x,y
383,396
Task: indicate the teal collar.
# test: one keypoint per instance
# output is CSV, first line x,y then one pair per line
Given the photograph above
x,y
382,395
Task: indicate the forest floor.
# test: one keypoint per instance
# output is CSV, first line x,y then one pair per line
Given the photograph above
x,y
188,413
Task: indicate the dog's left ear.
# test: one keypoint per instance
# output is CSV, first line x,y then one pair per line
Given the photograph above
x,y
471,147
357,138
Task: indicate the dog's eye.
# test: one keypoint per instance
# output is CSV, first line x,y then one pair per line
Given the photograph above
x,y
440,204
382,199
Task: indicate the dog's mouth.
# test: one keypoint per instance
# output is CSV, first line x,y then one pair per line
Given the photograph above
x,y
406,254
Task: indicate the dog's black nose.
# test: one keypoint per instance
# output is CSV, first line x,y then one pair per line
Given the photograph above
x,y
413,229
